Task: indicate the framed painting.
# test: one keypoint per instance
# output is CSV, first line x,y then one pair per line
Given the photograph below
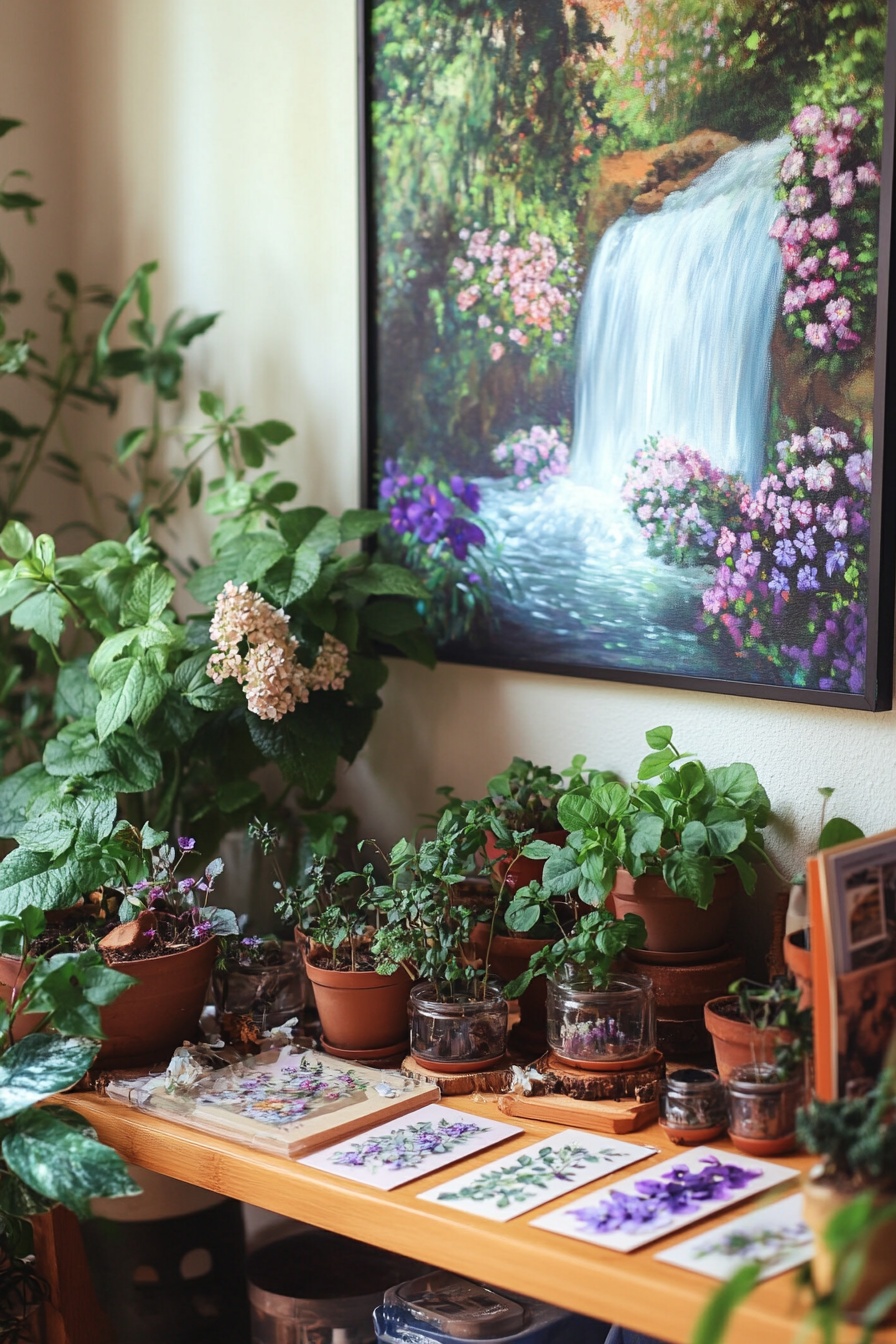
x,y
625,288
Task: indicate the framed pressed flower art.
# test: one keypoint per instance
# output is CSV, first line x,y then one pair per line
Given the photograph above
x,y
626,282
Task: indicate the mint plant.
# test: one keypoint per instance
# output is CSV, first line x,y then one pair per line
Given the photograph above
x,y
680,821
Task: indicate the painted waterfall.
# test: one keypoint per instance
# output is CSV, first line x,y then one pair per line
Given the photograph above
x,y
624,332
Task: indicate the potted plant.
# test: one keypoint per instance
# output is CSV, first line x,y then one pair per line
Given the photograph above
x,y
685,834
50,1155
159,924
759,1025
260,977
360,992
597,1018
849,1197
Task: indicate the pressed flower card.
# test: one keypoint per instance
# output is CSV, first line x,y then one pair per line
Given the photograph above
x,y
671,1195
774,1237
553,1166
393,1154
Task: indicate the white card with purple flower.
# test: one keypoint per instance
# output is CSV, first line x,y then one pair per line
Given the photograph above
x,y
773,1236
421,1143
552,1167
669,1196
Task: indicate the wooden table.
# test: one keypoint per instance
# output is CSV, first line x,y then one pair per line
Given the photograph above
x,y
635,1289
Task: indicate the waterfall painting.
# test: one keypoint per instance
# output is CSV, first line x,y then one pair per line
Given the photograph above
x,y
626,279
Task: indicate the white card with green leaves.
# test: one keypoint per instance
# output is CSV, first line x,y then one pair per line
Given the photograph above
x,y
532,1176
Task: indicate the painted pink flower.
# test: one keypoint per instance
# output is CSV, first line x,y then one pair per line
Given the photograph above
x,y
795,299
818,334
808,267
850,118
838,258
800,200
797,232
483,321
496,350
847,340
826,165
791,256
727,543
838,311
827,143
868,175
808,121
779,227
467,297
842,189
825,227
819,289
793,165
802,512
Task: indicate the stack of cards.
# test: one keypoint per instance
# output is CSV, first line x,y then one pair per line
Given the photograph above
x,y
774,1237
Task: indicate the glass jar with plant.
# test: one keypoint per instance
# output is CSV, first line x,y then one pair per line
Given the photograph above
x,y
681,831
260,977
849,1197
360,991
50,1033
597,1018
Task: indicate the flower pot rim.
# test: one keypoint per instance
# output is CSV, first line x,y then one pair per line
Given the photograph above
x,y
146,967
348,979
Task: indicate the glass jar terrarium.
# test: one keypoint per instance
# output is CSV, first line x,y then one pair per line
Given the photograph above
x,y
267,982
693,1106
762,1109
609,1028
460,1034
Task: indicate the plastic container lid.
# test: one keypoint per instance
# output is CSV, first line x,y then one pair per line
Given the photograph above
x,y
444,1304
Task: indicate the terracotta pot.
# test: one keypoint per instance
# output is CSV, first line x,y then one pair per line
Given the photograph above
x,y
798,959
821,1200
675,924
361,1010
509,958
736,1042
523,870
680,990
152,1018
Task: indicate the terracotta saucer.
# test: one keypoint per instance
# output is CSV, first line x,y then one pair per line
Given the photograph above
x,y
677,958
764,1147
381,1051
681,1134
460,1065
611,1066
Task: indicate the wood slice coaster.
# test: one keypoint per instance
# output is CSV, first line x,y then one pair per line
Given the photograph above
x,y
601,1117
495,1079
641,1084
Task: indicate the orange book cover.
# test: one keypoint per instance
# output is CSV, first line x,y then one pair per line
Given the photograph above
x,y
824,985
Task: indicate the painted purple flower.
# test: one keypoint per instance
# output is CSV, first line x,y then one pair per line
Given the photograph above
x,y
418,478
846,339
838,523
805,543
858,470
141,885
186,843
784,552
807,579
657,1202
826,165
838,258
799,200
868,175
819,335
809,121
825,228
836,558
779,583
795,299
827,143
461,535
838,311
797,230
467,492
793,165
808,267
779,227
842,189
819,289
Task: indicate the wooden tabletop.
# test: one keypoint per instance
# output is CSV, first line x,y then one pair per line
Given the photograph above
x,y
634,1290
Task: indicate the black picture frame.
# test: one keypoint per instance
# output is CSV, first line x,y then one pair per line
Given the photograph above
x,y
877,694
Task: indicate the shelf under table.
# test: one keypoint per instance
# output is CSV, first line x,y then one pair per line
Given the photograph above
x,y
634,1289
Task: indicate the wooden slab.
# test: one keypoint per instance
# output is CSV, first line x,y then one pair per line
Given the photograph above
x,y
641,1084
601,1117
496,1079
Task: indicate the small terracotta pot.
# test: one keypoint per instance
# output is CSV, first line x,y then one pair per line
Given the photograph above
x,y
675,924
821,1200
151,1019
361,1010
523,870
736,1042
509,958
798,959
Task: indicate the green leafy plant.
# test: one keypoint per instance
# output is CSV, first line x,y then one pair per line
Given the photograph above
x,y
680,821
524,796
50,1155
854,1137
776,1008
588,948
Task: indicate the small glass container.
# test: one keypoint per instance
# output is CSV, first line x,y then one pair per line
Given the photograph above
x,y
460,1034
693,1106
270,992
609,1028
762,1109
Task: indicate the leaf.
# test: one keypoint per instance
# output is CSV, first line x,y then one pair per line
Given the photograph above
x,y
725,836
305,569
296,525
521,916
20,792
380,579
647,834
147,595
655,763
211,405
39,1065
516,987
65,1163
275,431
101,349
197,326
694,837
356,524
324,536
746,872
690,876
562,873
659,738
77,694
194,486
390,616
8,124
838,831
44,613
541,849
737,782
122,692
19,1200
129,443
242,561
51,834
252,447
15,540
713,1320
224,923
574,812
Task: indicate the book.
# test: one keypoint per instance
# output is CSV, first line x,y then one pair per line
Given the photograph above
x,y
852,912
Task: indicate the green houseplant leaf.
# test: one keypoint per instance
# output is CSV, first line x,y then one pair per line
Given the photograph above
x,y
39,1065
63,1161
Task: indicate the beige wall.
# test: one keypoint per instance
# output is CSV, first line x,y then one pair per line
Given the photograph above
x,y
219,136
